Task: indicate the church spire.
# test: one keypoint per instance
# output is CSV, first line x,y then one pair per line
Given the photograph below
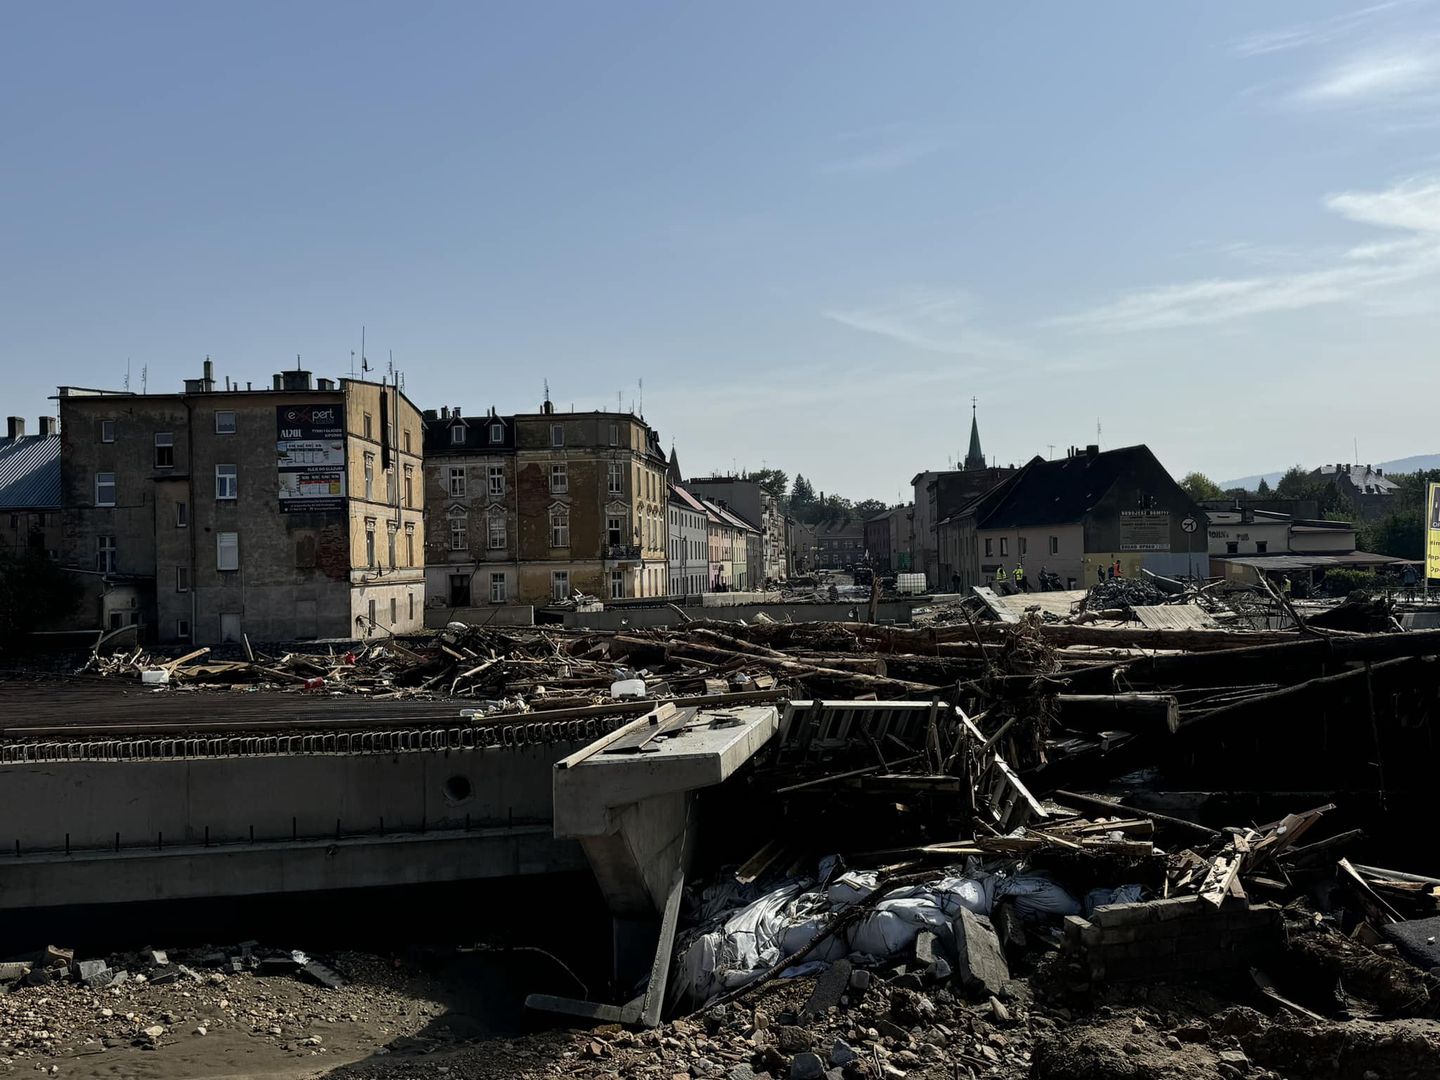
x,y
974,457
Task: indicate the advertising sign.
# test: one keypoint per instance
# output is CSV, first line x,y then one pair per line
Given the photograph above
x,y
1432,531
1144,530
310,457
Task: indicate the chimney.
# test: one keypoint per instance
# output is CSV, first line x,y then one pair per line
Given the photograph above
x,y
276,385
47,425
294,381
1379,472
324,384
1092,450
455,412
16,425
444,412
430,414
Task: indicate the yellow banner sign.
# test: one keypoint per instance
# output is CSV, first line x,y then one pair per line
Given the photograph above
x,y
1432,531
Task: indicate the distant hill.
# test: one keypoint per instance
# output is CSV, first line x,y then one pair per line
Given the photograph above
x,y
1399,465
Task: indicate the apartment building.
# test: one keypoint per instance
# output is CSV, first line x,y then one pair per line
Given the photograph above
x,y
689,544
535,507
758,508
288,512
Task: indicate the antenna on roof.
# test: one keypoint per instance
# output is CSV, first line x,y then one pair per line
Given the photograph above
x,y
127,374
352,363
1097,432
145,379
547,389
642,399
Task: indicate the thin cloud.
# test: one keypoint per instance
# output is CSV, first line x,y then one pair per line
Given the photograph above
x,y
1354,275
935,320
1307,35
898,155
1399,75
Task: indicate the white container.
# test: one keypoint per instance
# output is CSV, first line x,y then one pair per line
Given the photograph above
x,y
910,584
628,688
155,676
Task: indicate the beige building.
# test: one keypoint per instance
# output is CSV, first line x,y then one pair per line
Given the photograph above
x,y
535,507
291,512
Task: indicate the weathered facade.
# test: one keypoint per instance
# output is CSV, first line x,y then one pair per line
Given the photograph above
x,y
539,506
689,544
887,539
759,509
293,512
30,489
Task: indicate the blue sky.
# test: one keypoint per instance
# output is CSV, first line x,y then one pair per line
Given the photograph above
x,y
815,230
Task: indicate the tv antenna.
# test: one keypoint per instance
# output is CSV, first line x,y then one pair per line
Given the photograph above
x,y
145,379
642,399
127,374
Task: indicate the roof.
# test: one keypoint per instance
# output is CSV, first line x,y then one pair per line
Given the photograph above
x,y
1363,478
726,516
1059,492
1309,562
680,495
438,439
30,472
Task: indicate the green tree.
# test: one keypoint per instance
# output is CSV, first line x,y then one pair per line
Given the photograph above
x,y
1200,487
1298,483
771,481
802,497
1263,488
868,508
34,595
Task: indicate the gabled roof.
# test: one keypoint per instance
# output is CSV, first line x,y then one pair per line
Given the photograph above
x,y
724,515
439,441
1059,492
680,495
30,472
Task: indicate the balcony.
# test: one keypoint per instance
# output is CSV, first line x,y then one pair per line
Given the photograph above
x,y
622,553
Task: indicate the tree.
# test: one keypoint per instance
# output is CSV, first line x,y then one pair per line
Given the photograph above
x,y
1263,488
802,496
868,508
1297,483
771,481
1200,487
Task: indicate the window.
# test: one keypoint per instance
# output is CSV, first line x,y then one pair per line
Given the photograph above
x,y
224,422
390,531
104,489
182,515
390,485
369,426
459,533
182,629
369,476
497,433
370,542
105,554
557,434
405,435
497,588
457,482
394,611
1261,547
614,434
370,612
559,527
496,474
107,430
457,435
497,532
182,579
410,597
1004,545
559,584
614,531
617,584
617,483
227,551
164,450
409,485
559,480
1054,545
409,545
227,482
459,590
989,547
1232,547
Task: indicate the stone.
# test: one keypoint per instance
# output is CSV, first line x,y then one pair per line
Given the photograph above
x,y
321,975
841,1053
860,980
806,1067
88,969
1173,1042
1235,1059
829,987
202,1030
982,966
15,970
792,1040
998,1012
740,1072
162,978
154,1031
158,957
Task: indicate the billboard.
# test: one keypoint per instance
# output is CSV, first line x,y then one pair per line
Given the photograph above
x,y
1432,530
1144,530
310,457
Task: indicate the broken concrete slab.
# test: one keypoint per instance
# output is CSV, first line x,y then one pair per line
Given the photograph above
x,y
982,966
829,988
321,975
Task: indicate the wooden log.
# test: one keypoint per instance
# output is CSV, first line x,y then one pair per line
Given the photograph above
x,y
1135,712
1279,662
1061,634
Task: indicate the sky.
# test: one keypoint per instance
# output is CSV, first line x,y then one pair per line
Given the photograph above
x,y
813,230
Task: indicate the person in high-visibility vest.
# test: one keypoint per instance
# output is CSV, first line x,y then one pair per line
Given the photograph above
x,y
1285,586
1019,577
1000,574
